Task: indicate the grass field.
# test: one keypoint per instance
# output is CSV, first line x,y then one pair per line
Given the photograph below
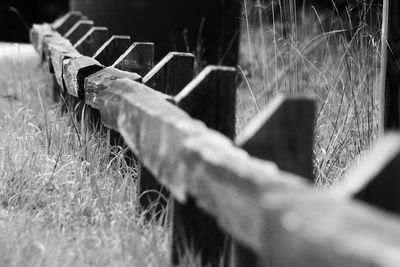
x,y
66,202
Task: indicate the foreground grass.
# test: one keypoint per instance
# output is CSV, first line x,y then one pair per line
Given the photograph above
x,y
66,199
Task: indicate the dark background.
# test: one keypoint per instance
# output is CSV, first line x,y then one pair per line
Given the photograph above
x,y
12,29
209,28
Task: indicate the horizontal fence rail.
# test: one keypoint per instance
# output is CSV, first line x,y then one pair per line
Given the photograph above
x,y
251,189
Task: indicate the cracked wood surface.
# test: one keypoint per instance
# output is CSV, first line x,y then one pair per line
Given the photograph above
x,y
75,70
101,80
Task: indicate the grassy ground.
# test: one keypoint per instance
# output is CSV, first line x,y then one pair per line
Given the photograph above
x,y
314,55
66,202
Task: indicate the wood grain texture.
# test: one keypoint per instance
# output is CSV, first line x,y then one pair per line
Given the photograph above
x,y
37,34
75,70
227,183
92,41
192,160
55,38
138,58
78,30
65,23
374,180
181,152
101,80
171,74
59,49
111,50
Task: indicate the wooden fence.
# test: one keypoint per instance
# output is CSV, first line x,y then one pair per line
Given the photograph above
x,y
249,192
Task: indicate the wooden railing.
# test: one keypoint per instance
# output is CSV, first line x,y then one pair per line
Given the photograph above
x,y
251,189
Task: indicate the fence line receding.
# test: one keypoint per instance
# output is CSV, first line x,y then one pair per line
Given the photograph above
x,y
182,129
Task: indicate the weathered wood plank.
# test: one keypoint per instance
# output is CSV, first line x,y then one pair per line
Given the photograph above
x,y
165,128
75,70
92,41
101,80
163,78
111,50
37,34
59,49
269,211
316,230
66,22
78,30
138,58
374,180
171,74
54,39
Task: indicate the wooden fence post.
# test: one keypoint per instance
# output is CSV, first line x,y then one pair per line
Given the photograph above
x,y
62,25
390,68
211,98
169,77
78,30
138,58
171,74
65,23
282,133
92,41
375,180
111,50
275,213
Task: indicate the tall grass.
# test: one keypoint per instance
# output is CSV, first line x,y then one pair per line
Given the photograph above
x,y
67,198
323,54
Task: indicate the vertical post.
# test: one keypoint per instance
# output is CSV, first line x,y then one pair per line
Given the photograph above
x,y
282,133
169,76
390,68
111,50
78,30
92,41
65,23
211,98
138,58
375,179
